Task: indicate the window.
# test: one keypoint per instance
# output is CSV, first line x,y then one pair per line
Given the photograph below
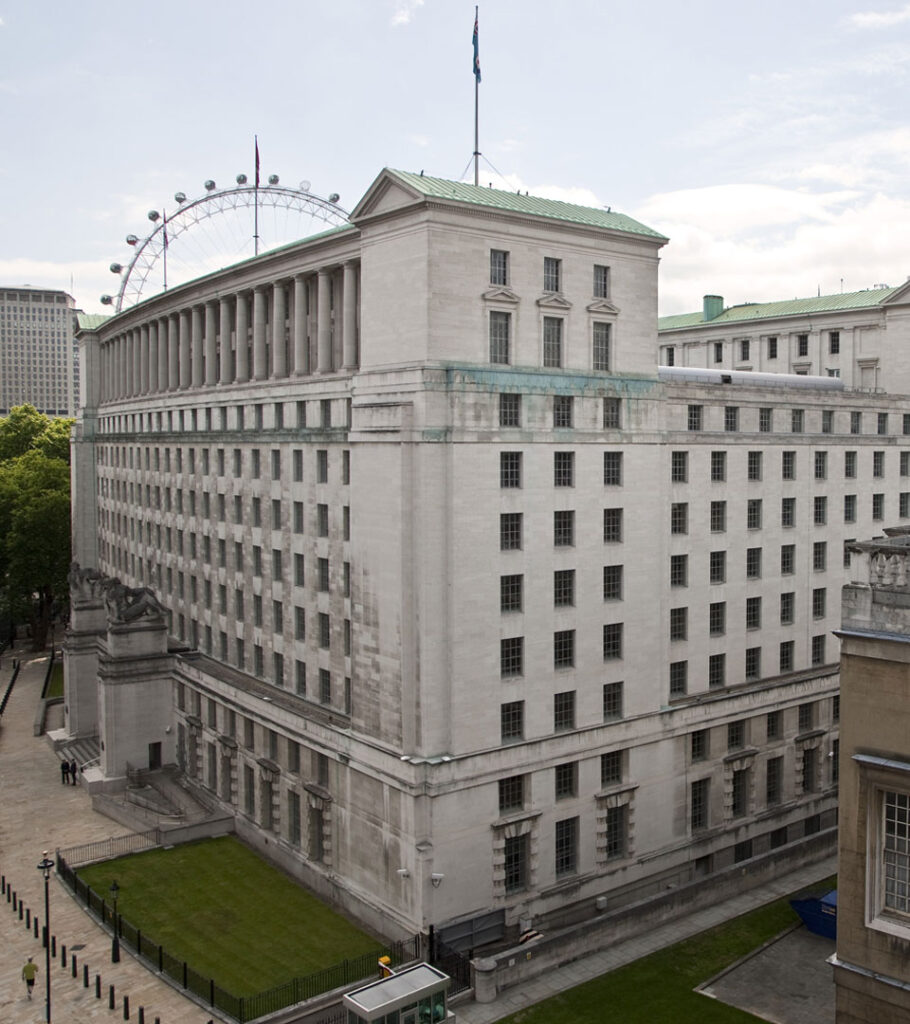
x,y
718,351
894,866
718,516
510,410
563,588
765,420
785,656
820,510
299,623
753,563
679,467
551,274
679,570
322,520
694,417
821,465
612,641
819,556
670,355
731,418
679,623
299,577
878,464
612,701
850,465
856,422
612,414
512,721
753,514
510,531
325,631
904,463
679,678
510,593
566,780
563,529
753,662
774,725
552,341
882,423
818,603
564,711
500,330
788,511
510,469
717,670
905,429
806,717
717,566
698,805
736,735
903,504
613,525
849,508
600,347
718,466
679,517
787,604
772,347
612,469
511,656
833,342
740,792
564,648
322,466
322,574
511,793
563,469
788,465
612,582
878,506
744,350
563,411
754,465
818,650
601,282
753,613
499,267
717,618
810,772
616,831
699,745
566,847
827,421
802,345
517,858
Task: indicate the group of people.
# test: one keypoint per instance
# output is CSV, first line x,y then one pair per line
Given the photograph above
x,y
69,772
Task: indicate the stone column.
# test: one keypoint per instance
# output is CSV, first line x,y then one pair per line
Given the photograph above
x,y
349,321
242,339
260,370
173,352
324,324
211,344
224,341
163,357
184,366
124,367
143,360
153,357
279,331
300,346
196,353
136,361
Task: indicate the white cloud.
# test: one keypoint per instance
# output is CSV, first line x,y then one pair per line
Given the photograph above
x,y
879,19
404,11
420,140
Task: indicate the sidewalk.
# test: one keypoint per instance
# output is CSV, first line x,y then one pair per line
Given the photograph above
x,y
38,813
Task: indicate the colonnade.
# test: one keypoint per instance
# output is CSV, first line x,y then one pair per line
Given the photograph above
x,y
286,329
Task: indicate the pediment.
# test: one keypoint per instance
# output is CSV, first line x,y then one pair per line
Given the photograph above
x,y
602,307
554,301
899,297
386,194
500,294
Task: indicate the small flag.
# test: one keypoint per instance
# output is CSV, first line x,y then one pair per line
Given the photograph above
x,y
476,48
256,138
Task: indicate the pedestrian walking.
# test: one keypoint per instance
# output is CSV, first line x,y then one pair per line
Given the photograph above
x,y
74,773
28,976
64,772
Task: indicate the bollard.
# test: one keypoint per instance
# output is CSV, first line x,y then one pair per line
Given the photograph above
x,y
141,1015
9,894
97,986
44,938
2,883
126,1007
28,917
111,1001
14,902
62,955
54,946
85,975
35,923
73,965
21,910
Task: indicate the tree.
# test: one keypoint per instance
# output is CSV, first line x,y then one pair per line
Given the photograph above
x,y
19,430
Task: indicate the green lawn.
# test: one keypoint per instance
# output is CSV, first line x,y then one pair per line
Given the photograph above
x,y
660,986
229,914
55,683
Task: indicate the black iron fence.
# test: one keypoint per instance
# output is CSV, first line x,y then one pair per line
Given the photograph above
x,y
240,1008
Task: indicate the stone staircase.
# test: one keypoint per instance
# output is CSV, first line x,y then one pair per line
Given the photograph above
x,y
84,750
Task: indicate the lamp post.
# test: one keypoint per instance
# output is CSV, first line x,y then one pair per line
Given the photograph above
x,y
115,945
45,866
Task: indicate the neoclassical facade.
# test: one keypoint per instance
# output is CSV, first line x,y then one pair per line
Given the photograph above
x,y
472,615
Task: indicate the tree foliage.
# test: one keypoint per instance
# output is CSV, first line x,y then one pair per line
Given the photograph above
x,y
34,517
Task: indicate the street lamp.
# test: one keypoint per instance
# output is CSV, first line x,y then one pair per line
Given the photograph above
x,y
45,866
115,945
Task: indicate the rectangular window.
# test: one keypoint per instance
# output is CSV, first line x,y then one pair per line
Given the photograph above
x,y
718,516
564,711
679,570
612,641
903,504
821,465
754,465
510,593
818,602
512,721
856,422
718,466
882,423
564,648
740,792
717,618
736,735
299,577
717,566
699,745
849,508
322,574
563,529
818,650
753,563
511,794
895,855
819,556
613,525
744,350
820,510
753,613
694,420
510,469
772,347
612,469
833,342
878,506
509,410
731,418
802,345
698,805
322,520
878,464
774,725
679,467
904,463
679,623
827,421
787,604
612,701
753,514
600,347
511,656
566,780
563,412
679,517
551,274
552,341
612,582
322,466
753,662
785,656
765,420
500,330
616,831
510,530
612,414
788,465
516,858
601,282
564,588
499,267
325,686
566,847
325,631
563,469
788,511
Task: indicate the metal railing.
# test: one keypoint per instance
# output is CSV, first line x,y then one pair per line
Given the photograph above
x,y
108,849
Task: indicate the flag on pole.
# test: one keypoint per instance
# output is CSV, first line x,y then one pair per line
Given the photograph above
x,y
256,138
476,48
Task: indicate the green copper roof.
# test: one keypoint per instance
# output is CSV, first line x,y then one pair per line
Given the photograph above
x,y
768,310
516,202
90,321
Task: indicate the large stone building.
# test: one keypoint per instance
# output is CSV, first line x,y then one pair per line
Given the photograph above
x,y
473,612
38,352
873,916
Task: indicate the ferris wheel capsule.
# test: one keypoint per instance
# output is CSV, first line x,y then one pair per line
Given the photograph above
x,y
241,179
116,268
132,239
154,215
210,185
180,197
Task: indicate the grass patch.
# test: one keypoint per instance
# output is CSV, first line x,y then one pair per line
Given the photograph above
x,y
229,914
55,683
660,987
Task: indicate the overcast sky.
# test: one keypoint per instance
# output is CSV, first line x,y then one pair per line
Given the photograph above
x,y
769,141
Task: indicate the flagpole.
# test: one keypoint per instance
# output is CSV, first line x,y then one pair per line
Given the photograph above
x,y
256,198
164,228
476,98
